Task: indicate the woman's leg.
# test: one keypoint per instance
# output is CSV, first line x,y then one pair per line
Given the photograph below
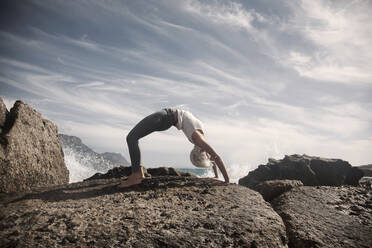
x,y
158,121
154,122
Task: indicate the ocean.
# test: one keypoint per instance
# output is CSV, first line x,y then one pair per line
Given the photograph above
x,y
80,168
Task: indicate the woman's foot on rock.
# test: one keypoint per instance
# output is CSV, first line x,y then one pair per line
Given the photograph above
x,y
130,182
133,179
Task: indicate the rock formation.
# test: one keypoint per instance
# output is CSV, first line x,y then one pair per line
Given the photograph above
x,y
117,172
122,171
367,170
309,170
324,216
168,171
272,189
169,211
30,151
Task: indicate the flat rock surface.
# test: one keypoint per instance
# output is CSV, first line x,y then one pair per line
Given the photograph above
x,y
327,216
167,211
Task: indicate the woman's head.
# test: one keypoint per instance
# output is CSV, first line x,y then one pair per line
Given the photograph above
x,y
199,158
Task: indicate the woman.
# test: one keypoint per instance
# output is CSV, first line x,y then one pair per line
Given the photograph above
x,y
163,120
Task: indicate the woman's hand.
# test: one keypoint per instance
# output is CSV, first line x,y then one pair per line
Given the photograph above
x,y
200,141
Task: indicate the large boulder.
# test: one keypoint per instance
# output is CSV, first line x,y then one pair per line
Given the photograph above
x,y
274,188
30,151
311,171
166,211
325,216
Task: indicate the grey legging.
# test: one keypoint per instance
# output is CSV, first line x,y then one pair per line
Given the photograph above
x,y
158,121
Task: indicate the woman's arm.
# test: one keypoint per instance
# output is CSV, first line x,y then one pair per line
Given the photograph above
x,y
215,169
214,166
200,141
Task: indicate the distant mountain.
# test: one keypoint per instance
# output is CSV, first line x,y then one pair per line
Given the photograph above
x,y
74,147
76,144
115,157
367,170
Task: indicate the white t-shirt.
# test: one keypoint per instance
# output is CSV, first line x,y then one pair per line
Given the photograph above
x,y
188,123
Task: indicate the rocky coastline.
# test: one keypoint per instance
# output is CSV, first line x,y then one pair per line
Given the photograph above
x,y
299,201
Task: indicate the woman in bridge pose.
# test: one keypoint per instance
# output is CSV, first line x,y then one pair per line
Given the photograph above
x,y
203,155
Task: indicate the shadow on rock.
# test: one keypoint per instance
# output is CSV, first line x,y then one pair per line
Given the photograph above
x,y
99,187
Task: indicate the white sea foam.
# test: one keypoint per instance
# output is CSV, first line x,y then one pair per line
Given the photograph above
x,y
77,165
235,172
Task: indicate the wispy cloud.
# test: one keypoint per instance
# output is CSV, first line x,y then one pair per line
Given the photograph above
x,y
90,85
267,79
226,13
341,39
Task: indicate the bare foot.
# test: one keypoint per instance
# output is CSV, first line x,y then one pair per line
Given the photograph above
x,y
130,182
215,178
133,179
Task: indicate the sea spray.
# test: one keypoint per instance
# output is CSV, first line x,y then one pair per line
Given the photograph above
x,y
83,162
79,166
235,172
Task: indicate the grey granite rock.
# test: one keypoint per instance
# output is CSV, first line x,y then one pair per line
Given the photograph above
x,y
165,211
274,188
311,171
122,171
324,216
166,171
30,151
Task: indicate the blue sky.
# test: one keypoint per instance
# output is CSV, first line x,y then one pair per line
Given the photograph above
x,y
267,78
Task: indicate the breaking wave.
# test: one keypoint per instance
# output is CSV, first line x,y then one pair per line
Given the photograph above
x,y
79,166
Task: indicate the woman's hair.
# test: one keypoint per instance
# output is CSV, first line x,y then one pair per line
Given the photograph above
x,y
199,158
